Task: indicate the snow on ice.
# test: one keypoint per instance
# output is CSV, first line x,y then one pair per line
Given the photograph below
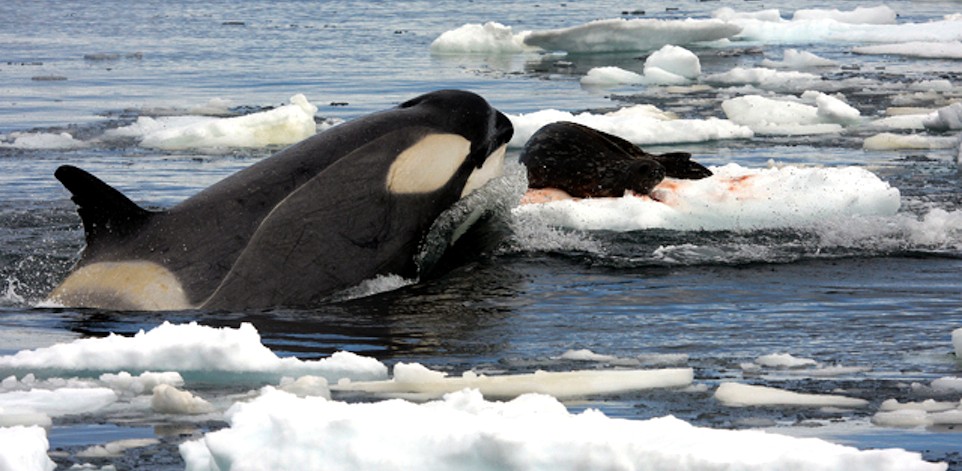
x,y
279,126
734,198
465,431
24,449
190,348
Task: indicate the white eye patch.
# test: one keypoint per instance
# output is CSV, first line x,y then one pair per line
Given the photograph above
x,y
428,165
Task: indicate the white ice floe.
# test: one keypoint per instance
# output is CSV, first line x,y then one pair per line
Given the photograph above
x,y
795,59
630,35
784,360
790,116
747,395
487,38
879,15
168,399
859,25
279,126
734,198
765,78
464,431
670,65
415,380
116,448
41,141
53,403
190,348
306,386
947,118
891,141
24,449
925,50
640,124
918,414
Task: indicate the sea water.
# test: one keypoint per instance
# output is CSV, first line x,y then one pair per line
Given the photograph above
x,y
809,289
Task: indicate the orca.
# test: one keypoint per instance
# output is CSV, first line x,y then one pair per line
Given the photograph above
x,y
343,206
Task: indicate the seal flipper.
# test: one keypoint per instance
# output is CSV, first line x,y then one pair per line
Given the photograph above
x,y
106,213
680,165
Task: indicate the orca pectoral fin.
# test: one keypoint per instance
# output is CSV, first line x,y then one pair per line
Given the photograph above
x,y
106,213
680,165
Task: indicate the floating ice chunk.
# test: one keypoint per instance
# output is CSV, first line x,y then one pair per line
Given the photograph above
x,y
729,14
945,118
610,76
769,29
890,141
922,49
880,15
640,124
785,116
280,126
904,418
928,405
947,384
125,383
490,38
24,449
734,198
630,35
190,348
784,360
676,60
41,141
957,342
416,380
744,395
586,355
658,76
795,59
170,400
903,121
306,386
833,110
57,402
464,431
766,78
116,448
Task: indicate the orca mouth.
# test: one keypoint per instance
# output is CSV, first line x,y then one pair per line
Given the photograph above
x,y
493,167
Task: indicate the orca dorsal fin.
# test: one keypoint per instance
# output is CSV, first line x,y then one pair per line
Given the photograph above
x,y
106,213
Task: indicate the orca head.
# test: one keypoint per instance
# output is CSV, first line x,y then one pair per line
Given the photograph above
x,y
468,115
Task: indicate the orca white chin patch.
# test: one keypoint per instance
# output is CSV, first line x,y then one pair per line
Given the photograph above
x,y
131,285
493,168
428,165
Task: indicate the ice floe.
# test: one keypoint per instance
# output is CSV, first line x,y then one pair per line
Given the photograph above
x,y
640,124
190,348
957,342
487,38
465,431
415,380
859,25
921,49
795,59
927,413
734,198
748,395
670,65
41,141
168,399
279,126
891,141
783,360
630,35
24,449
791,116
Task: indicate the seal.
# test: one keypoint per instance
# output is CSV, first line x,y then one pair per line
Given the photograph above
x,y
587,163
322,215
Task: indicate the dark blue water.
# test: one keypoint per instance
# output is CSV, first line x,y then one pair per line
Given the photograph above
x,y
881,296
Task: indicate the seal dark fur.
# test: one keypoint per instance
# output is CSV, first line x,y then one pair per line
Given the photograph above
x,y
586,163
